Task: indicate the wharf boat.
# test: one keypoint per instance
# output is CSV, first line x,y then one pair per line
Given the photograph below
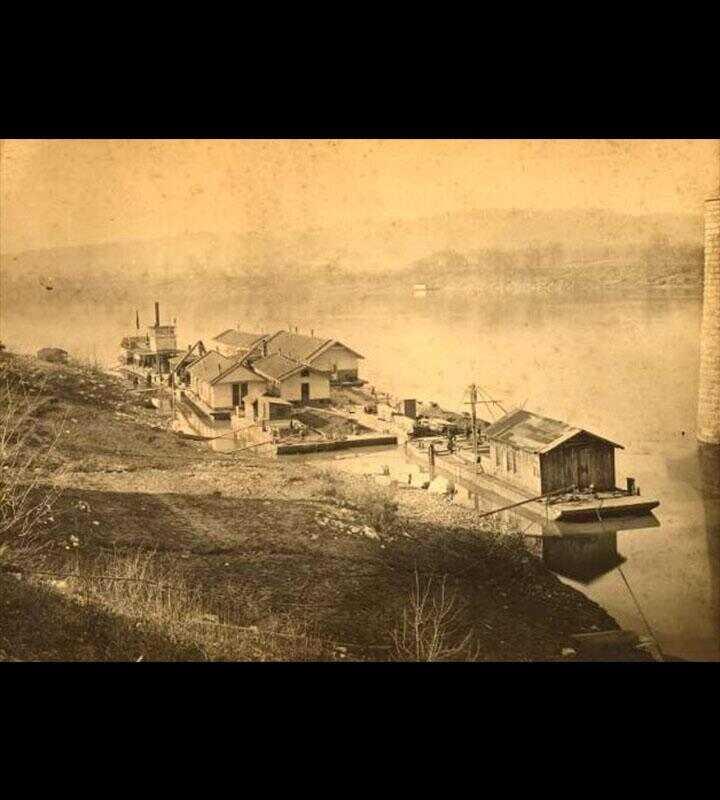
x,y
542,467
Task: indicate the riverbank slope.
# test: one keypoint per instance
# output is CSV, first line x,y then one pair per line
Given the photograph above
x,y
160,549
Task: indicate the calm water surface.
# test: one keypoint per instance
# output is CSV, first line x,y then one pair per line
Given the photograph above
x,y
626,370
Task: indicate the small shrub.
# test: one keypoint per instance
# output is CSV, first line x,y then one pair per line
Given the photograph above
x,y
430,627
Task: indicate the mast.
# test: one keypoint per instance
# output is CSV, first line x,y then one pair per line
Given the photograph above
x,y
473,389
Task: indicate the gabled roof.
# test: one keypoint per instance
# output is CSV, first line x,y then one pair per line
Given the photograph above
x,y
210,365
237,373
241,339
278,366
527,431
301,347
336,343
295,345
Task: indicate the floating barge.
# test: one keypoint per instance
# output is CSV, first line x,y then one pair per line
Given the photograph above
x,y
364,440
544,467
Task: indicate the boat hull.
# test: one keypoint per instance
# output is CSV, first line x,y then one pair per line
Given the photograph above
x,y
629,506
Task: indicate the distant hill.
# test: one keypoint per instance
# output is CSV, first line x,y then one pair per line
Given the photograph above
x,y
491,242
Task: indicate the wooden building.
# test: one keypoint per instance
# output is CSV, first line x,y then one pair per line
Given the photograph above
x,y
542,455
336,359
298,383
330,356
223,383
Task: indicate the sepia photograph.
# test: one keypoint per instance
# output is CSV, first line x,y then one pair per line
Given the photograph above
x,y
360,400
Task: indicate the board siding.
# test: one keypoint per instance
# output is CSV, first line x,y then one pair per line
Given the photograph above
x,y
564,467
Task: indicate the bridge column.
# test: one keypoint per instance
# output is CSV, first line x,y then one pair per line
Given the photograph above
x,y
708,429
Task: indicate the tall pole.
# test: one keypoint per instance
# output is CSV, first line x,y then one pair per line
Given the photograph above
x,y
473,401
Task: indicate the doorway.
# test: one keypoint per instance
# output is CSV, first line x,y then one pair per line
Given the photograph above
x,y
239,391
305,393
582,466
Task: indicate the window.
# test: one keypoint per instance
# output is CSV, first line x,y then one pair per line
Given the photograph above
x,y
508,459
498,455
305,373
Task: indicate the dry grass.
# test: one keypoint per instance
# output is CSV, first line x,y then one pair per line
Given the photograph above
x,y
28,472
155,595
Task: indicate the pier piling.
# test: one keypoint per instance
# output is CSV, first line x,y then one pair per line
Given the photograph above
x,y
708,428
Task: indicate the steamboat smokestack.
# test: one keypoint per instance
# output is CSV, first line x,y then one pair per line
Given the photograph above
x,y
708,429
157,314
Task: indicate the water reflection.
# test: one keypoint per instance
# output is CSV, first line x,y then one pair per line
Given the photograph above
x,y
582,558
585,552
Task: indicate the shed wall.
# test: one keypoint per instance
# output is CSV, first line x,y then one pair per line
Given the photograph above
x,y
319,387
222,393
337,357
578,465
515,466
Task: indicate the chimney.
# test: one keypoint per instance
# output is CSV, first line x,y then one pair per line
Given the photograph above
x,y
708,429
157,314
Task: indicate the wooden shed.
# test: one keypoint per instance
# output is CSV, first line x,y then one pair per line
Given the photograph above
x,y
543,455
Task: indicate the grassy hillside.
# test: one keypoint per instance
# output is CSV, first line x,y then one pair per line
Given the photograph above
x,y
133,544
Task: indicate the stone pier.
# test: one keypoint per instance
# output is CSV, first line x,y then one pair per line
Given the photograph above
x,y
708,429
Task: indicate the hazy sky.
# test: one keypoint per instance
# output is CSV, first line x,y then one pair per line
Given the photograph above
x,y
66,192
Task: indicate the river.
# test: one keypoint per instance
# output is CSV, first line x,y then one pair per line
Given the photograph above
x,y
625,369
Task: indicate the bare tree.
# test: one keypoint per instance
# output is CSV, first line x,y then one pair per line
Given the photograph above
x,y
430,628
